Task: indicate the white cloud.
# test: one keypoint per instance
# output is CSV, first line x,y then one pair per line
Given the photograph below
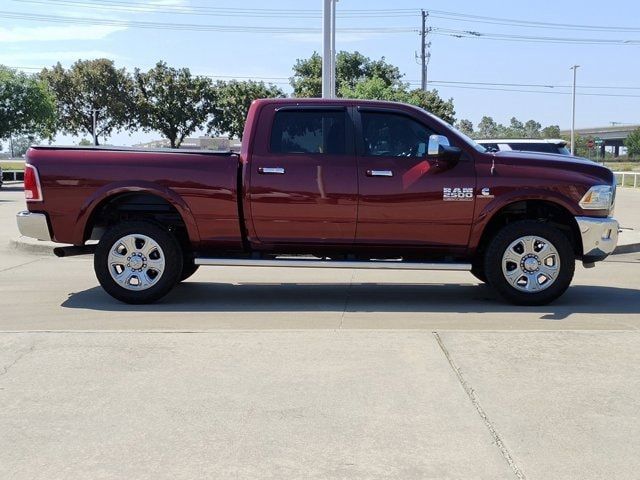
x,y
36,60
56,34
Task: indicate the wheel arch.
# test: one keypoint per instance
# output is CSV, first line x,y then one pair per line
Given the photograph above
x,y
543,210
142,200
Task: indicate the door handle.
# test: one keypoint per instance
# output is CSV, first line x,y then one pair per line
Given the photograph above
x,y
271,170
379,173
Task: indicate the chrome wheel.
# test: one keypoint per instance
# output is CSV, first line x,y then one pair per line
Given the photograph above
x,y
531,264
136,262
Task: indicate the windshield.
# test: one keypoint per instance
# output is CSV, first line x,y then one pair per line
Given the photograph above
x,y
468,139
471,141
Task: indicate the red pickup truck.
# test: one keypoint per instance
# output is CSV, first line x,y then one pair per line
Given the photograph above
x,y
325,183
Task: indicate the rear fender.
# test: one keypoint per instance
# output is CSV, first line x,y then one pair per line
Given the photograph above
x,y
117,188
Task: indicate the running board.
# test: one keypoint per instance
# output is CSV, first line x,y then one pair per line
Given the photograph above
x,y
309,263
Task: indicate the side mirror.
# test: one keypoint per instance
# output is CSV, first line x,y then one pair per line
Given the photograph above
x,y
439,146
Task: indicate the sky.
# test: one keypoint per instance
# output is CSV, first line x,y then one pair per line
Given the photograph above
x,y
498,68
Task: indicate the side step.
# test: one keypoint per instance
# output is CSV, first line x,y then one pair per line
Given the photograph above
x,y
319,263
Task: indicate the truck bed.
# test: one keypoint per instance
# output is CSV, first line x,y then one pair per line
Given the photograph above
x,y
200,184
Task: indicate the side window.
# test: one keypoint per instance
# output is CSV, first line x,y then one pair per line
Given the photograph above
x,y
309,131
394,135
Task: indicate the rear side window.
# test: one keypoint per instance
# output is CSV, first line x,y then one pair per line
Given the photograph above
x,y
310,131
393,135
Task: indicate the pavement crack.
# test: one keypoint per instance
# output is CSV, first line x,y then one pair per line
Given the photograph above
x,y
4,370
21,265
478,406
346,299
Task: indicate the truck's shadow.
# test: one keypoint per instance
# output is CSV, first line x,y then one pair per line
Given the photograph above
x,y
362,297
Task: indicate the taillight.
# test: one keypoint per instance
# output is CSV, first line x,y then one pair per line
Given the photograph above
x,y
32,190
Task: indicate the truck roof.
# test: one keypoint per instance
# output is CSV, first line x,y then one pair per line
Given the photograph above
x,y
555,141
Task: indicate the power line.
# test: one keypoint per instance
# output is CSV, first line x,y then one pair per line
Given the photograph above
x,y
216,11
527,23
196,27
529,38
304,30
447,83
483,86
497,89
122,5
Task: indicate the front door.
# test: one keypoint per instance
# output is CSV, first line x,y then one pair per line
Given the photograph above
x,y
407,198
303,186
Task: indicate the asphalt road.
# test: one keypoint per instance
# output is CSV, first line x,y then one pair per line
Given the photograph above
x,y
276,373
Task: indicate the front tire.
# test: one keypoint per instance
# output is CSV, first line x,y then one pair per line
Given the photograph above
x,y
138,262
530,263
477,269
188,268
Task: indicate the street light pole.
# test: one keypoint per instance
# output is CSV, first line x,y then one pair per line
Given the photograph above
x,y
332,87
327,33
573,111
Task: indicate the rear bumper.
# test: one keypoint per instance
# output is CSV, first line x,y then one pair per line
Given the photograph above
x,y
33,225
599,237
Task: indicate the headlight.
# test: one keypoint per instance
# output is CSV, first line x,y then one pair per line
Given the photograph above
x,y
599,197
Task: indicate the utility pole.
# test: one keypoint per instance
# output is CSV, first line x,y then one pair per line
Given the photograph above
x,y
425,54
573,111
328,47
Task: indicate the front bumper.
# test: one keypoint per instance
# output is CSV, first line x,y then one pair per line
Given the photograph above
x,y
33,225
599,237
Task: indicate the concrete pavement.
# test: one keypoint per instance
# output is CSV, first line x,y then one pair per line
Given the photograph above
x,y
276,373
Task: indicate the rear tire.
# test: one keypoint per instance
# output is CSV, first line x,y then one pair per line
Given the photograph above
x,y
138,262
529,263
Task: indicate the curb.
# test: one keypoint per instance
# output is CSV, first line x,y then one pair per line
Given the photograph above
x,y
33,246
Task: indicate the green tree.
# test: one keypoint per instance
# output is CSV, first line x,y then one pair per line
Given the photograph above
x,y
90,86
465,126
487,128
581,148
551,131
26,106
532,129
172,101
432,102
231,103
632,142
514,130
377,89
20,144
351,69
85,142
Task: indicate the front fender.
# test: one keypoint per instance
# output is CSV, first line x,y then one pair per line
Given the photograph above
x,y
488,207
112,189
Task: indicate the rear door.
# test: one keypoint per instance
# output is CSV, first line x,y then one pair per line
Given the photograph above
x,y
407,198
303,179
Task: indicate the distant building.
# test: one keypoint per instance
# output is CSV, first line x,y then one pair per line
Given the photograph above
x,y
220,144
